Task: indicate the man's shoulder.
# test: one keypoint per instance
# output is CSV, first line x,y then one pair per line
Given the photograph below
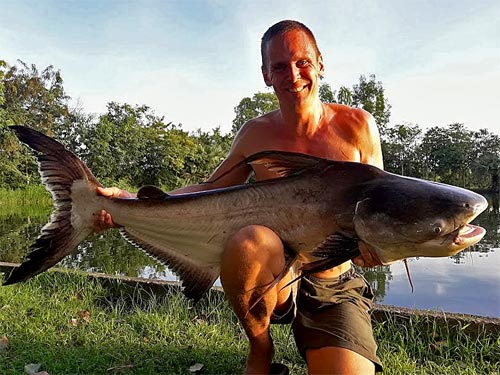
x,y
354,113
255,133
350,119
259,124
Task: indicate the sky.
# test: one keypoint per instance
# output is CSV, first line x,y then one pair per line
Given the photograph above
x,y
193,61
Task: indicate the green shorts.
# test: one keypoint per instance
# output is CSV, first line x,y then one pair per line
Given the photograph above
x,y
335,312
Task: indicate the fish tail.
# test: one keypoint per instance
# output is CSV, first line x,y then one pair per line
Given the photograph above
x,y
63,174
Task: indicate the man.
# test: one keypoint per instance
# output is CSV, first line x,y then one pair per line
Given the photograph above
x,y
332,326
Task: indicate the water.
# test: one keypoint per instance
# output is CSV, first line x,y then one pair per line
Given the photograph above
x,y
466,283
470,286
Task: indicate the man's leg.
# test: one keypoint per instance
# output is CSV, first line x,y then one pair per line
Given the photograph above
x,y
332,327
337,361
253,258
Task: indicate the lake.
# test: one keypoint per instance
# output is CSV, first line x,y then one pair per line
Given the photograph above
x,y
468,282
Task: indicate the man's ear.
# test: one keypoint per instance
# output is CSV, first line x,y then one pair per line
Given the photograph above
x,y
321,66
265,75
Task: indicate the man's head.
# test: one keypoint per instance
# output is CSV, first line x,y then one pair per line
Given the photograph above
x,y
281,28
292,63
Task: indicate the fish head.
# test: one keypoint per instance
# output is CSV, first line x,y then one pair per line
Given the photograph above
x,y
403,217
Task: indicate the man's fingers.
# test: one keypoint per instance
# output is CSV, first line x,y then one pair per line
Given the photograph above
x,y
359,261
109,192
104,221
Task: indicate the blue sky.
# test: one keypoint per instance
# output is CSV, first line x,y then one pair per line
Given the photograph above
x,y
193,61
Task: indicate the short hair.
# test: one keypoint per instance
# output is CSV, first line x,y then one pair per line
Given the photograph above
x,y
281,28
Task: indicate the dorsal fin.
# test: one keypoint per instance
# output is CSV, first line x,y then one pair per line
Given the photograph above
x,y
151,192
285,163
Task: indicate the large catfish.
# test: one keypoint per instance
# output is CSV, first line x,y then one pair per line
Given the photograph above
x,y
319,208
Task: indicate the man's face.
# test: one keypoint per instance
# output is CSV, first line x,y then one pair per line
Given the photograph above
x,y
293,67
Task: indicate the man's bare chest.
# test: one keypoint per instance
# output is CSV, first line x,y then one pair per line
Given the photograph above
x,y
334,149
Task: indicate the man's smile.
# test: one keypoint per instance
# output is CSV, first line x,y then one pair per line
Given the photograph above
x,y
297,89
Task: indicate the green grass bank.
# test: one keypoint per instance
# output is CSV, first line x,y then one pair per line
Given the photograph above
x,y
72,323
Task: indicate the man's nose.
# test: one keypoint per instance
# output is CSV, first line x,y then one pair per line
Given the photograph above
x,y
293,73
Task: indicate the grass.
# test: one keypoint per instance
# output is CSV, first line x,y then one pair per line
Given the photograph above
x,y
73,324
33,200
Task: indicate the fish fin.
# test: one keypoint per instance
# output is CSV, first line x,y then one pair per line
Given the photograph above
x,y
59,169
151,192
282,163
196,279
285,163
58,238
290,259
335,249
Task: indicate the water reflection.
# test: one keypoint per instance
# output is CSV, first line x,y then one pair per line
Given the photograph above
x,y
468,282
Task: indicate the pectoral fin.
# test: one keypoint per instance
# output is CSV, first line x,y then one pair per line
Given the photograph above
x,y
333,251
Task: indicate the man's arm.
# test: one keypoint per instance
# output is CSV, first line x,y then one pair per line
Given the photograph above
x,y
370,147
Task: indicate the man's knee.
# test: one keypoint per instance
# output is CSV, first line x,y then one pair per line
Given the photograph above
x,y
254,243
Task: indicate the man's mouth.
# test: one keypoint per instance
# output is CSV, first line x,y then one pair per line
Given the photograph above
x,y
296,89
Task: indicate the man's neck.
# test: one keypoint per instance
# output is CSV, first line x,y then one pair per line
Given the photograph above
x,y
303,121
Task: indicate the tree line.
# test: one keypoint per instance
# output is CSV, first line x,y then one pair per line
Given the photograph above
x,y
130,146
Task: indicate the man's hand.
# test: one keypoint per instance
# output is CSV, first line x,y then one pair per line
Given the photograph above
x,y
104,220
368,257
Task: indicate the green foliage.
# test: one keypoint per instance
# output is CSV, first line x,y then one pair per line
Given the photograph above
x,y
486,162
132,146
369,95
451,154
447,154
129,146
400,149
344,96
249,108
32,98
212,147
326,95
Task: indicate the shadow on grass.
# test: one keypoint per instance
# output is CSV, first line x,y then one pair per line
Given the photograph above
x,y
119,358
73,324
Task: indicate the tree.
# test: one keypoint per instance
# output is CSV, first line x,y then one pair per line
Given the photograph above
x,y
326,95
447,154
31,98
249,108
369,95
485,166
400,149
212,148
344,96
35,99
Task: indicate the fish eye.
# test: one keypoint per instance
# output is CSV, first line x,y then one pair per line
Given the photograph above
x,y
437,230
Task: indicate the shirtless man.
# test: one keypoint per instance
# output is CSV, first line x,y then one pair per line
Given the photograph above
x,y
336,339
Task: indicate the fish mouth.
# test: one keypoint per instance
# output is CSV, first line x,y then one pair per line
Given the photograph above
x,y
467,235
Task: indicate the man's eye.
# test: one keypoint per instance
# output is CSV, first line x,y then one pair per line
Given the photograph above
x,y
302,64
